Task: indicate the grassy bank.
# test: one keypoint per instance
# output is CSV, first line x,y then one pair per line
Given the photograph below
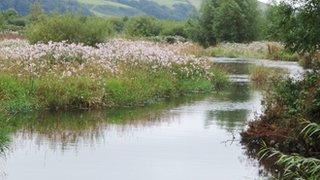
x,y
261,76
257,50
287,134
112,74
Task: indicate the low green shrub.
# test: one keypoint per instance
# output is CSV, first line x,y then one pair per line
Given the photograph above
x,y
70,28
143,26
173,28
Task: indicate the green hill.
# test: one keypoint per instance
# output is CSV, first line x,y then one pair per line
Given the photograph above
x,y
162,9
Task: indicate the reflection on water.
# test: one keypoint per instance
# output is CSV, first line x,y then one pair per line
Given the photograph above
x,y
231,120
179,139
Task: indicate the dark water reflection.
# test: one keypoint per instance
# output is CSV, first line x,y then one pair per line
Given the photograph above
x,y
179,139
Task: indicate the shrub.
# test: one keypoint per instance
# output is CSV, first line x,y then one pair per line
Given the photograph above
x,y
142,27
173,28
70,28
117,23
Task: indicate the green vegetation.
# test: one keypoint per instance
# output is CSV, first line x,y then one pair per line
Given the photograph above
x,y
261,76
169,9
71,28
258,50
219,21
142,27
133,87
288,132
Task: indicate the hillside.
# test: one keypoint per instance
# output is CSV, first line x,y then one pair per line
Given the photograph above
x,y
162,9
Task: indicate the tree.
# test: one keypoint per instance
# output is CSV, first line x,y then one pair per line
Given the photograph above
x,y
228,20
272,30
207,20
301,25
236,21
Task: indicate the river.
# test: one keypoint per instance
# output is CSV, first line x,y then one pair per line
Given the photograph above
x,y
193,138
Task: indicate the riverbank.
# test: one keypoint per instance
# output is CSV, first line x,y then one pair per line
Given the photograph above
x,y
287,134
116,73
256,50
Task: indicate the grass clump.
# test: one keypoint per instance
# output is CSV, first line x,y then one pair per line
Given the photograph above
x,y
261,75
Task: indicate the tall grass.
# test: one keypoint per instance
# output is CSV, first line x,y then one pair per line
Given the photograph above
x,y
261,76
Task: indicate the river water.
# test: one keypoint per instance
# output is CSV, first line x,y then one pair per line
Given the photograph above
x,y
193,138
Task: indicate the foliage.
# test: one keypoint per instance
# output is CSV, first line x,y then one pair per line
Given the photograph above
x,y
272,26
295,166
142,27
200,29
236,21
173,28
295,25
117,23
292,116
70,28
231,20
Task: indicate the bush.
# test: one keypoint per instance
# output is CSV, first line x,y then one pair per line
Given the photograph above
x,y
117,23
173,28
142,27
70,28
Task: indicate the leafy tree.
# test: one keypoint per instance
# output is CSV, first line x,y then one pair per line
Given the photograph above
x,y
301,25
229,20
236,21
296,23
207,20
